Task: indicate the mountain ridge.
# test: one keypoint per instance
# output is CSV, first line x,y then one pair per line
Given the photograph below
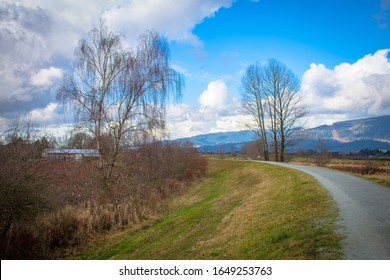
x,y
343,136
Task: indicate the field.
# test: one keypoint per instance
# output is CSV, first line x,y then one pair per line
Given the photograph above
x,y
376,170
244,210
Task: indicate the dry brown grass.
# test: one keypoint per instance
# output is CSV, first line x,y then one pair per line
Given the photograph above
x,y
377,170
82,207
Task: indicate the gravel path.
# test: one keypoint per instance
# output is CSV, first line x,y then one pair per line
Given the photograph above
x,y
364,211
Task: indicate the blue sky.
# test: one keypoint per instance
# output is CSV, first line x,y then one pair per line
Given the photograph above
x,y
297,33
338,48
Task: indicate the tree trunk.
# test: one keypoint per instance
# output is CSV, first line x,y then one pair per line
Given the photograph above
x,y
282,148
266,153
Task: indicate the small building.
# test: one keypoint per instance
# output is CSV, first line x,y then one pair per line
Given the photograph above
x,y
70,154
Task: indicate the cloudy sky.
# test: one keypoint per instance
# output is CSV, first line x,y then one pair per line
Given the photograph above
x,y
338,48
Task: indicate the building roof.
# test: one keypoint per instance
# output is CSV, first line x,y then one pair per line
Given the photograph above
x,y
84,152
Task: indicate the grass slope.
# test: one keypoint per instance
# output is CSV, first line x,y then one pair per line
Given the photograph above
x,y
244,210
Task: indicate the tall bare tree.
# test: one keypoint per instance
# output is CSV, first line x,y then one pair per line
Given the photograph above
x,y
253,102
118,92
271,88
270,94
285,108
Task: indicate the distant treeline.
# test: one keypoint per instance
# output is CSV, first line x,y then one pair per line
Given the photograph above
x,y
253,150
374,153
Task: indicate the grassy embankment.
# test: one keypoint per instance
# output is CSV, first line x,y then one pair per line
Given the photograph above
x,y
244,210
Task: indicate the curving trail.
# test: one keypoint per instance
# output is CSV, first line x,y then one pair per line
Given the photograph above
x,y
364,211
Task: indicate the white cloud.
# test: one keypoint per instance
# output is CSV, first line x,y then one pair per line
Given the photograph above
x,y
46,77
218,111
21,46
46,115
181,70
215,96
175,19
348,91
38,38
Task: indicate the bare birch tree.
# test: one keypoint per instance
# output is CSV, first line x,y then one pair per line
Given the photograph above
x,y
118,92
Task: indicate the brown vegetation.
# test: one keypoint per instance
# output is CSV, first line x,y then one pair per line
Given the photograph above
x,y
367,167
47,208
71,204
377,170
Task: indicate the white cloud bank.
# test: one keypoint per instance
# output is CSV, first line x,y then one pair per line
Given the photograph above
x,y
349,91
41,116
38,38
214,98
218,110
175,19
46,77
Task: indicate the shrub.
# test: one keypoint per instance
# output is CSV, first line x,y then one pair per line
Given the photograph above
x,y
367,168
82,206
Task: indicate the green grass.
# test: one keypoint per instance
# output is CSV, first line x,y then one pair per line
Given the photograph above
x,y
383,182
244,210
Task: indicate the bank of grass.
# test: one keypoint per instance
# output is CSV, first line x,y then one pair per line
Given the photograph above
x,y
244,210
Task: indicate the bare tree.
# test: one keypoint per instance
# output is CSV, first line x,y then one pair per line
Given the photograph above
x,y
21,174
271,96
323,154
253,102
118,92
271,88
252,149
80,140
284,106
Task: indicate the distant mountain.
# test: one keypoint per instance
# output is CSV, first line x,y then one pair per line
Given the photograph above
x,y
377,129
345,136
220,138
343,147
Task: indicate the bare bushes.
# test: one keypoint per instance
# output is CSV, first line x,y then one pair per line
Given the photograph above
x,y
55,235
24,192
157,163
81,206
253,150
368,167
